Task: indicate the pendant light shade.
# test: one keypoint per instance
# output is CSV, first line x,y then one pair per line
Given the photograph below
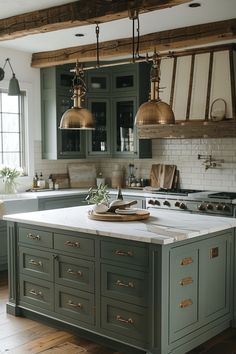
x,y
155,111
14,87
77,118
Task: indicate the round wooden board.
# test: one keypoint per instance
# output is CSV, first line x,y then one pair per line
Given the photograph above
x,y
141,214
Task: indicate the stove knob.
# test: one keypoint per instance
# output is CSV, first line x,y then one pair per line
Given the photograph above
x,y
177,204
226,208
151,202
209,207
157,202
182,206
166,203
201,207
219,207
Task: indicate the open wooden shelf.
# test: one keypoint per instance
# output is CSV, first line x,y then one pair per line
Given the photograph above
x,y
189,130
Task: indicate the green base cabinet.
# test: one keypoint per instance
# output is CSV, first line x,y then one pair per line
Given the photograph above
x,y
155,299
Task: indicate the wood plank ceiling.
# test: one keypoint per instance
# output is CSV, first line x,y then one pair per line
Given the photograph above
x,y
86,12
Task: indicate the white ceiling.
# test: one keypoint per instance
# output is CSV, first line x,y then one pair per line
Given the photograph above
x,y
175,17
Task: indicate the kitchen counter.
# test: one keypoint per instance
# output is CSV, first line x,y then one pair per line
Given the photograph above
x,y
162,227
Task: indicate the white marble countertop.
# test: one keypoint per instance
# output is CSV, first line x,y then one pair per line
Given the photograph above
x,y
162,227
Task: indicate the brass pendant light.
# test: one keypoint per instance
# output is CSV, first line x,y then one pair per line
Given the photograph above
x,y
77,118
154,111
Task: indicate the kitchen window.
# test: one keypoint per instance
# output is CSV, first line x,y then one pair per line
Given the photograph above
x,y
11,130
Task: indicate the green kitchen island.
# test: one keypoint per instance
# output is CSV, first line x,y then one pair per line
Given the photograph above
x,y
159,286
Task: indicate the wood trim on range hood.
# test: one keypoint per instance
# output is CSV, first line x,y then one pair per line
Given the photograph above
x,y
190,130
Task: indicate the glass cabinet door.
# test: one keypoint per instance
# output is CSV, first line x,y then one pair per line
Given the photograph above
x,y
69,141
99,139
124,115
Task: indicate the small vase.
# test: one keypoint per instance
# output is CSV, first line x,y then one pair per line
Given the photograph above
x,y
100,208
10,186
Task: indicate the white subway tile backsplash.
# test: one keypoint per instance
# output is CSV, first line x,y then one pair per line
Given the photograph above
x,y
181,152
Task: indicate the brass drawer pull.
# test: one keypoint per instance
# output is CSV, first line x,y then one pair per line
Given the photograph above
x,y
33,237
186,281
121,284
36,293
185,303
35,263
121,319
123,253
72,244
186,261
72,304
78,273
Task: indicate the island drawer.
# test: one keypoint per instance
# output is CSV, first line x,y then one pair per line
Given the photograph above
x,y
36,292
124,284
184,261
74,272
75,304
121,252
77,245
36,263
128,322
35,237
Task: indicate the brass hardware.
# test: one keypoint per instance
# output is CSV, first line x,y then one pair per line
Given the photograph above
x,y
35,263
121,284
214,252
121,319
186,281
123,253
72,244
72,304
33,237
186,261
78,273
36,293
185,303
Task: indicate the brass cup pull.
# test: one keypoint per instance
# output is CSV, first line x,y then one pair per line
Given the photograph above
x,y
123,253
121,284
72,244
186,281
36,293
185,303
35,263
121,319
72,304
76,273
33,237
186,261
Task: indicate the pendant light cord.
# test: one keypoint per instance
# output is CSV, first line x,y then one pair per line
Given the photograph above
x,y
97,47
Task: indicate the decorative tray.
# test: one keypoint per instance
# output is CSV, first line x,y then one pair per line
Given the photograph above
x,y
141,214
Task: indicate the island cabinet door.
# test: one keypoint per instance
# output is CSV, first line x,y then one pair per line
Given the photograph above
x,y
215,277
183,305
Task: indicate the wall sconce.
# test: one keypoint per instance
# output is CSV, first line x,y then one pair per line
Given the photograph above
x,y
14,88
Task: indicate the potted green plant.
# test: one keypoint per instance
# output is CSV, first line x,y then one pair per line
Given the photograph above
x,y
99,197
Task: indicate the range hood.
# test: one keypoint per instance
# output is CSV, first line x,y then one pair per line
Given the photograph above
x,y
192,81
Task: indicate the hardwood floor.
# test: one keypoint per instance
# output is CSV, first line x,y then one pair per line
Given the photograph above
x,y
20,335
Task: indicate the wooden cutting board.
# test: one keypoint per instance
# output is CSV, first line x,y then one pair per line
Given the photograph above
x,y
162,176
142,214
82,175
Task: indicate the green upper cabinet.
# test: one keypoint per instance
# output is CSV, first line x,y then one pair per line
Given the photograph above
x,y
55,100
113,96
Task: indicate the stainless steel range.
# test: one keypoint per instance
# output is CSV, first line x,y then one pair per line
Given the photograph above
x,y
204,202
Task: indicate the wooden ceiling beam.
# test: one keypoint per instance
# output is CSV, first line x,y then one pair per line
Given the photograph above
x,y
74,14
162,41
